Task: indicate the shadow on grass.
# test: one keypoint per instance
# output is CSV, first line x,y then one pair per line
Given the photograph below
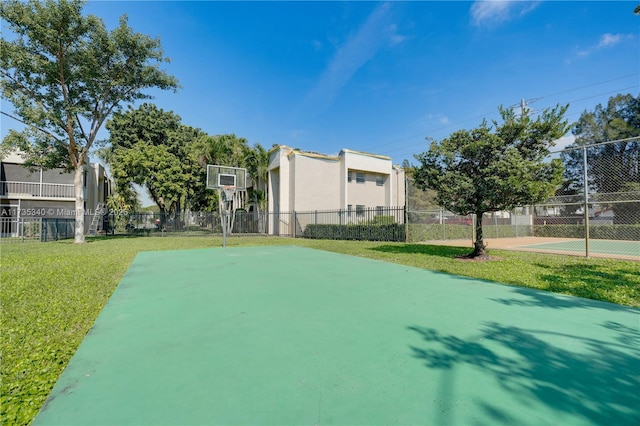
x,y
113,237
150,235
548,299
598,282
429,250
596,382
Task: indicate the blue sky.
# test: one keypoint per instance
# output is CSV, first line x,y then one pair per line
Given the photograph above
x,y
380,77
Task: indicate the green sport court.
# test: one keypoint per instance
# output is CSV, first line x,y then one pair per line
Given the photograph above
x,y
620,248
296,336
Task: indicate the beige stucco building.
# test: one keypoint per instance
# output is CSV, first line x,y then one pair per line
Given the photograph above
x,y
47,194
351,181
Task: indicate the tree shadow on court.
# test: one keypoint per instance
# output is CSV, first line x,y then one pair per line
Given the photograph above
x,y
588,281
430,250
587,378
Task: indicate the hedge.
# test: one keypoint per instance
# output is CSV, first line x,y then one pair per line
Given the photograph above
x,y
430,232
434,232
365,232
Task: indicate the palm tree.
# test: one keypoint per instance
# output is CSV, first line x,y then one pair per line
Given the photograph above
x,y
225,150
257,197
257,162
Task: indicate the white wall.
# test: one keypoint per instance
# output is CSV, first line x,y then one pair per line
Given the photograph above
x,y
304,181
368,193
316,183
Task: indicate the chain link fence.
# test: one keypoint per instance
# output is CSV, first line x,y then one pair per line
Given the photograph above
x,y
596,211
380,223
185,223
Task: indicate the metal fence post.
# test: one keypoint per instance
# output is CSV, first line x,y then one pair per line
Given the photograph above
x,y
294,217
586,202
474,218
406,224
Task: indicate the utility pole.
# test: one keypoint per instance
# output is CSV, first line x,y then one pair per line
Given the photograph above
x,y
524,109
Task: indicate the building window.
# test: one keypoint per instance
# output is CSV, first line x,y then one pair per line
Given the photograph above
x,y
379,210
349,177
359,177
350,208
379,180
359,210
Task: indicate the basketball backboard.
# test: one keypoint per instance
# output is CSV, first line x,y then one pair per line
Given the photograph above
x,y
219,177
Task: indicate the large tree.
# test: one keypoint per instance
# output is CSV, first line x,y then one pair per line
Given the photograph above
x,y
152,148
225,150
494,168
65,73
257,161
613,168
418,200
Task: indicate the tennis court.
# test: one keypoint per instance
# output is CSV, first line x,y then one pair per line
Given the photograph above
x,y
614,249
617,248
294,336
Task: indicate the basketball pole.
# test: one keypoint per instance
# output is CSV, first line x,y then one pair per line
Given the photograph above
x,y
226,180
223,216
224,221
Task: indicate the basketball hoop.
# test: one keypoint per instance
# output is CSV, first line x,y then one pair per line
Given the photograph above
x,y
227,181
228,192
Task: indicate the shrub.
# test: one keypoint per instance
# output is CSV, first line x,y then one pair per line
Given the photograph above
x,y
365,232
382,220
433,232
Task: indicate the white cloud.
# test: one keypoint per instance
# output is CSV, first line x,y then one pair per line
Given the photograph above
x,y
609,39
442,119
564,142
394,37
487,12
376,33
482,11
606,40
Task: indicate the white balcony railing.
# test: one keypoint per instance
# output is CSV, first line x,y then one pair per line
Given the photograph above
x,y
11,189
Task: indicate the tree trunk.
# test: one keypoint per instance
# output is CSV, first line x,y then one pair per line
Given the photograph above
x,y
78,187
479,248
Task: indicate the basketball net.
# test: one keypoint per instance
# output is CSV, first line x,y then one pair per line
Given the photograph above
x,y
228,193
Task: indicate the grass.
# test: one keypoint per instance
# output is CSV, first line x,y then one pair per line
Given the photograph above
x,y
52,292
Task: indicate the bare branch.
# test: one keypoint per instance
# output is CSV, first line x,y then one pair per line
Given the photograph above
x,y
34,127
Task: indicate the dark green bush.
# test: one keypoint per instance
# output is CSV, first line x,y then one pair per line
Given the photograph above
x,y
383,220
364,232
432,232
559,231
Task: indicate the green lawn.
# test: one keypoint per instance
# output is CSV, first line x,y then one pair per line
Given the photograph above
x,y
52,292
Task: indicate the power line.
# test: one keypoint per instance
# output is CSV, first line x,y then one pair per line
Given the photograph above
x,y
633,138
593,84
528,101
484,116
